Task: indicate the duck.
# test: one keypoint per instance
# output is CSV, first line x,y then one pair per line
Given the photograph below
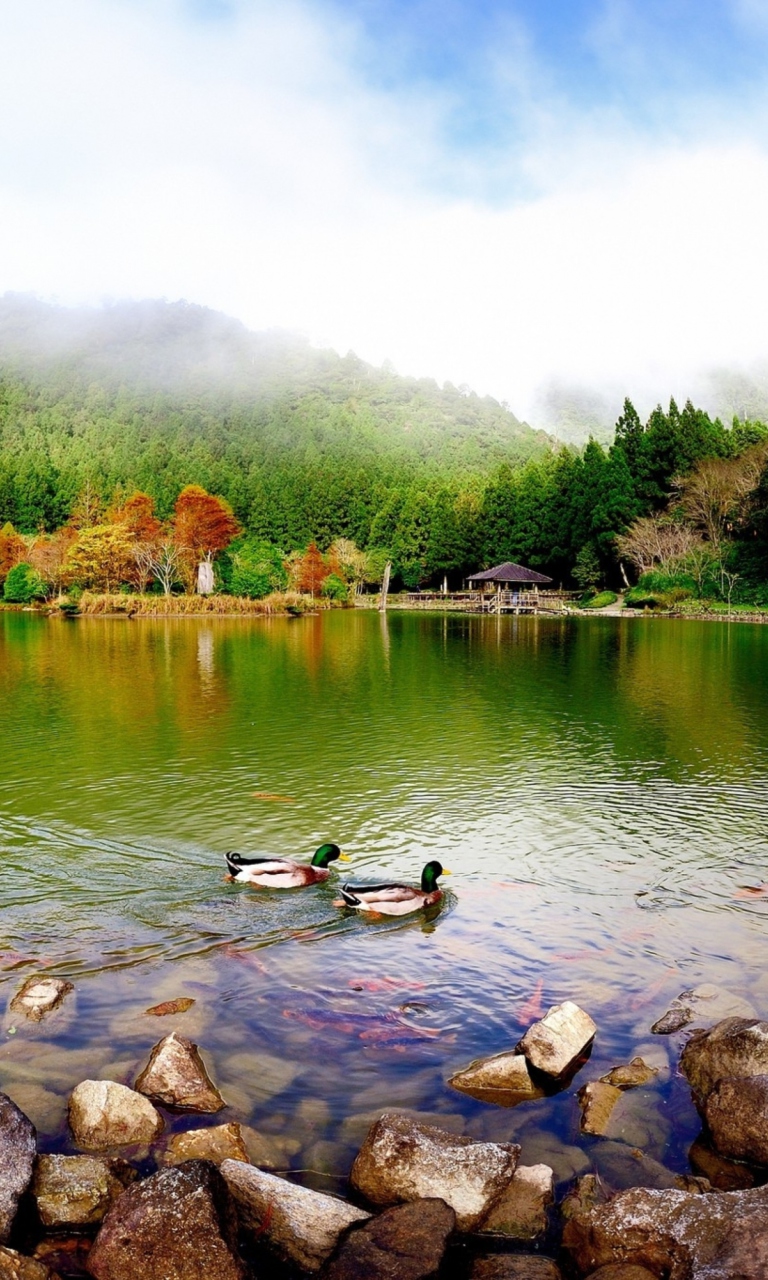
x,y
283,873
395,899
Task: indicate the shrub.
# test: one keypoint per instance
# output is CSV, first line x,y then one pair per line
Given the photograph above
x,y
23,584
335,588
601,601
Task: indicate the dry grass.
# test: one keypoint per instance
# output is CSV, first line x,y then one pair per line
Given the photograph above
x,y
151,606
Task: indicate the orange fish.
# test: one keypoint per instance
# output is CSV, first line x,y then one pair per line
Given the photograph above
x,y
533,1008
269,795
180,1005
751,891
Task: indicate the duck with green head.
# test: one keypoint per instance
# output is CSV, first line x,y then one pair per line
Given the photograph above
x,y
394,899
283,873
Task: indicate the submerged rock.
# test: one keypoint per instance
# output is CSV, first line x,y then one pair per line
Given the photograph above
x,y
503,1079
620,1271
404,1243
563,1034
520,1213
175,1076
735,1047
402,1159
222,1142
597,1100
724,1175
721,1236
39,996
632,1076
300,1226
18,1146
77,1190
103,1115
179,1224
514,1266
701,1007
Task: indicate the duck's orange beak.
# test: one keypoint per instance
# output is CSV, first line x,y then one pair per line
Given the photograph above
x,y
344,857
446,872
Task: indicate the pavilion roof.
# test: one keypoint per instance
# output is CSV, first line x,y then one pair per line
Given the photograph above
x,y
508,572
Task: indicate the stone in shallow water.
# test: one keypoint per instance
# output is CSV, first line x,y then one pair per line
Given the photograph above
x,y
724,1175
553,1044
77,1190
175,1076
300,1226
503,1079
735,1047
635,1073
597,1101
521,1211
179,1224
402,1159
39,996
18,1146
701,1007
103,1115
219,1143
404,1243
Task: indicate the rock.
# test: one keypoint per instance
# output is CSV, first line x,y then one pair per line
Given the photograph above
x,y
554,1044
300,1226
103,1114
404,1243
39,996
355,1128
736,1112
14,1266
701,1007
721,1236
597,1101
175,1076
621,1167
724,1175
268,1151
618,1271
167,1007
521,1210
735,1047
265,1074
67,1254
587,1192
514,1266
178,1224
222,1142
77,1190
631,1076
18,1146
402,1159
504,1080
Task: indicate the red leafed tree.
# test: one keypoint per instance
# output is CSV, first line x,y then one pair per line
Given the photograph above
x,y
311,570
137,513
202,525
13,549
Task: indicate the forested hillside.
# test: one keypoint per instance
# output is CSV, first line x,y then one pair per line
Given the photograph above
x,y
307,446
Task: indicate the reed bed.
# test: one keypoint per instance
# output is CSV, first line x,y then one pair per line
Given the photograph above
x,y
152,606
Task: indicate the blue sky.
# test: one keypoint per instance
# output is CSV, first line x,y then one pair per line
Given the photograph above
x,y
500,194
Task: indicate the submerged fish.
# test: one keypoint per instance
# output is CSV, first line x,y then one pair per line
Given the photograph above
x,y
533,1008
376,1027
271,795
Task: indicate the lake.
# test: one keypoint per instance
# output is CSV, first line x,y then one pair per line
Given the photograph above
x,y
596,786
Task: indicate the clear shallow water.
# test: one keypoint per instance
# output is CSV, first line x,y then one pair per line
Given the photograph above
x,y
597,787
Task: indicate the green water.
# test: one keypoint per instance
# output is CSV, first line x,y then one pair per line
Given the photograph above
x,y
597,788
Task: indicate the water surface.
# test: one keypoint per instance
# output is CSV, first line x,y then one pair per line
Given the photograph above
x,y
597,788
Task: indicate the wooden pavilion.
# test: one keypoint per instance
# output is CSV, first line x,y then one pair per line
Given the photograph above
x,y
508,577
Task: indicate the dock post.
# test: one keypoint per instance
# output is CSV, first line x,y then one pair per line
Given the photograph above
x,y
385,587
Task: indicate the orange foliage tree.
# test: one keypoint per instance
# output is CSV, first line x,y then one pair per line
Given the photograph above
x,y
308,570
50,556
202,526
136,516
13,549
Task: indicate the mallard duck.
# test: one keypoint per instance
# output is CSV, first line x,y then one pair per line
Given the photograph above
x,y
283,873
395,899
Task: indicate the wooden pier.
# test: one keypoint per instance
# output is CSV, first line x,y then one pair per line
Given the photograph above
x,y
495,602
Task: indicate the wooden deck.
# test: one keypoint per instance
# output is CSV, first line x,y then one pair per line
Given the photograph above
x,y
495,602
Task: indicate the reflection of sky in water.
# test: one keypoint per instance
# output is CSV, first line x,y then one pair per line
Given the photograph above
x,y
597,790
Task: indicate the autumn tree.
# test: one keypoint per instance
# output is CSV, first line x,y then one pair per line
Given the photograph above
x,y
101,557
202,526
13,550
307,570
136,515
49,555
88,509
656,540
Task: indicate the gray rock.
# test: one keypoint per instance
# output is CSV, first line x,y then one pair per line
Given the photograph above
x,y
520,1213
219,1143
721,1236
735,1047
631,1076
553,1044
103,1114
175,1076
77,1190
18,1146
701,1007
736,1112
404,1243
40,995
14,1266
514,1266
179,1224
503,1080
300,1226
402,1159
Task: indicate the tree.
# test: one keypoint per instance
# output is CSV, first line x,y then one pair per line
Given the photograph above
x,y
202,526
49,555
308,570
161,560
88,509
101,557
13,549
137,515
587,571
657,540
23,584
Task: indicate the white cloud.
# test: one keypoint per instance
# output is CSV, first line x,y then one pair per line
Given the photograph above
x,y
246,165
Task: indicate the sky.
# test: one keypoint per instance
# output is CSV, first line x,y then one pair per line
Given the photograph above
x,y
507,194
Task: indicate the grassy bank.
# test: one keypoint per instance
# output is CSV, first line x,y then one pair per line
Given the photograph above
x,y
154,606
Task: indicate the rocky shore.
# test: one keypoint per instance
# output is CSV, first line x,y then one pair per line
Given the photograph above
x,y
421,1200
